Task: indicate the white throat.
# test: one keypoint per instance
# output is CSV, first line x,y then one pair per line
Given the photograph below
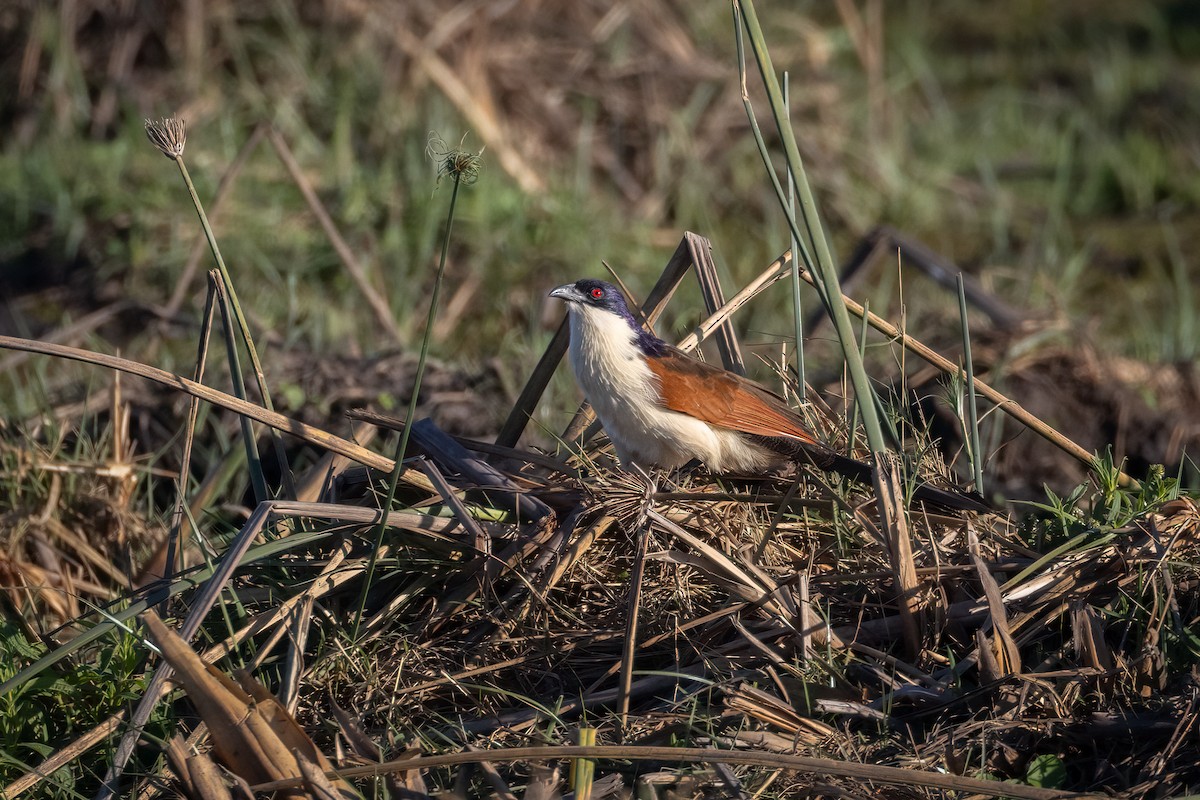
x,y
607,361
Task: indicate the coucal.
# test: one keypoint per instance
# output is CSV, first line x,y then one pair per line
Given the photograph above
x,y
662,407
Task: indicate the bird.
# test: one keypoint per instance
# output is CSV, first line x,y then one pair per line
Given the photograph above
x,y
662,407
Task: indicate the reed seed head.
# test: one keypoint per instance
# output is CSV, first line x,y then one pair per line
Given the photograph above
x,y
460,165
168,134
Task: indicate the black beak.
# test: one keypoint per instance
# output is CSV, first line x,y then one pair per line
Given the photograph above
x,y
569,293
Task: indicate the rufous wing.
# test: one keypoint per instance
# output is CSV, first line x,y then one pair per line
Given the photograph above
x,y
725,400
722,398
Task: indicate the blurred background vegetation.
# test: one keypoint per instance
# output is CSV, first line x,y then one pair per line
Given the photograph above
x,y
1050,149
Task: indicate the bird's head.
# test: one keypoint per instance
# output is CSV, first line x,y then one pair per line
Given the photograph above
x,y
589,297
594,294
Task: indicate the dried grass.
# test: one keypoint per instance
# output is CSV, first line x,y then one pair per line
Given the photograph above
x,y
776,616
772,619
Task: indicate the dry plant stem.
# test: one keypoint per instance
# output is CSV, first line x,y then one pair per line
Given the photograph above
x,y
458,676
331,577
480,540
379,306
674,755
522,410
534,459
492,776
294,669
1005,650
884,241
317,481
592,690
65,756
513,607
301,430
719,565
213,587
1008,406
758,645
808,618
263,516
524,719
496,487
781,267
890,502
631,622
491,568
778,269
705,268
579,547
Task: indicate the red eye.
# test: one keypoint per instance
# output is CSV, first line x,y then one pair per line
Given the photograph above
x,y
597,293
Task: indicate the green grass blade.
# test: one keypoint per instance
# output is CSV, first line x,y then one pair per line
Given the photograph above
x,y
257,479
169,136
797,309
972,408
823,266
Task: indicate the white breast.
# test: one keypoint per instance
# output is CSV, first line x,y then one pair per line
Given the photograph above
x,y
613,374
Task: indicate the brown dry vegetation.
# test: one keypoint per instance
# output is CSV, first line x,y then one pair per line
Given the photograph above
x,y
1055,648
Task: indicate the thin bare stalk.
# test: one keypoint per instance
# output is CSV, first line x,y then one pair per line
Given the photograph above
x,y
461,167
1006,404
175,540
632,609
224,186
825,766
274,419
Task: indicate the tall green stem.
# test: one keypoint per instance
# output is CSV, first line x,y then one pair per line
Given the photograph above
x,y
402,443
823,268
243,326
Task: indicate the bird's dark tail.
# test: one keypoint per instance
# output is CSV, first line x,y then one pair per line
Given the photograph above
x,y
862,472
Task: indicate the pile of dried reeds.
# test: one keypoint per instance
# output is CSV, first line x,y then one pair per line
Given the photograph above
x,y
487,604
526,599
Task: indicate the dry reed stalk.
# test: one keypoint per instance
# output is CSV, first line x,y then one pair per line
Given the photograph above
x,y
700,250
278,421
1005,404
889,501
